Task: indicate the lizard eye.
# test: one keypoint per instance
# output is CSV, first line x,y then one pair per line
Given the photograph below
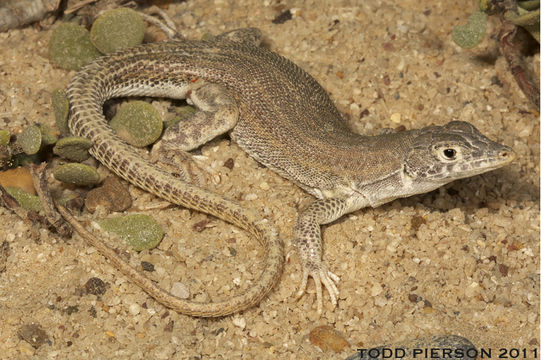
x,y
449,154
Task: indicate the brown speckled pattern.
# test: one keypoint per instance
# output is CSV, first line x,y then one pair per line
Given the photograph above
x,y
287,122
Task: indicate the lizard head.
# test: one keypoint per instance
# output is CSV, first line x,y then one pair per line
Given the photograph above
x,y
441,154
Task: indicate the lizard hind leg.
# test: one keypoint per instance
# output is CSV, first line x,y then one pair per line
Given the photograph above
x,y
217,114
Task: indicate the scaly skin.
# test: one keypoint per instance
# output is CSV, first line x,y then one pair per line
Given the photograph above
x,y
285,121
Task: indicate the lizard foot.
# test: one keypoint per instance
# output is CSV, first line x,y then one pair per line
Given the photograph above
x,y
321,276
181,163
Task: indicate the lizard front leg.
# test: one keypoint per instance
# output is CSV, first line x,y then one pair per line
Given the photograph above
x,y
307,232
217,113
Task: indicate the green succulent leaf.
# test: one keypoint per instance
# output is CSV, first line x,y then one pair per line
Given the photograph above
x,y
471,34
139,230
26,200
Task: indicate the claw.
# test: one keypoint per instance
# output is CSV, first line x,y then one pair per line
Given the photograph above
x,y
302,287
320,276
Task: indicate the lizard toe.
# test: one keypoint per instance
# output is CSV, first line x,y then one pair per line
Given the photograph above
x,y
322,278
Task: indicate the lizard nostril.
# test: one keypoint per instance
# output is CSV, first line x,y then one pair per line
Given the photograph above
x,y
507,154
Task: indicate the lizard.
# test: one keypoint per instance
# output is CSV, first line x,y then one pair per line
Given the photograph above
x,y
284,119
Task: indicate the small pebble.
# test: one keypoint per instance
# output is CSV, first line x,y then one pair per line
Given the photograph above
x,y
19,177
117,29
417,221
140,231
180,290
95,286
113,195
146,266
170,326
134,309
380,301
471,290
26,349
250,197
239,322
71,309
376,290
4,254
504,269
396,118
201,225
33,334
282,17
229,163
326,338
77,174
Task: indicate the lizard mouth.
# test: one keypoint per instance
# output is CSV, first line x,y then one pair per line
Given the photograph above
x,y
497,159
504,156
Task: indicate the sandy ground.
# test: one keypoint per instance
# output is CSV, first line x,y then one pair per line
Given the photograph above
x,y
461,260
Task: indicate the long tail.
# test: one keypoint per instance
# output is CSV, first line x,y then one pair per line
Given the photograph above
x,y
87,92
